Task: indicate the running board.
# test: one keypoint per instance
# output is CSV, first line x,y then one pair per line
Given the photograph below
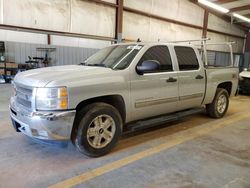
x,y
148,123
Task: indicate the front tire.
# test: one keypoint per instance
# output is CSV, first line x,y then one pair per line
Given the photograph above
x,y
219,106
99,129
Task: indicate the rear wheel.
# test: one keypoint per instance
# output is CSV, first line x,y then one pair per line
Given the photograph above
x,y
219,106
99,128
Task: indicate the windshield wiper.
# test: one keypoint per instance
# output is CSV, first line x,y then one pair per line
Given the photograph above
x,y
96,64
82,64
93,65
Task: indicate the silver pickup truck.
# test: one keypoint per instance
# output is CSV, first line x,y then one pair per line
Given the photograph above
x,y
124,85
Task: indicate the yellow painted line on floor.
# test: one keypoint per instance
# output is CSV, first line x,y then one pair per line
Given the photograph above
x,y
171,141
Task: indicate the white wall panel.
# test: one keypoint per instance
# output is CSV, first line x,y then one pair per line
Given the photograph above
x,y
244,12
89,18
148,29
78,42
170,32
60,15
16,36
237,3
135,26
1,11
218,24
42,14
146,6
181,10
237,47
110,1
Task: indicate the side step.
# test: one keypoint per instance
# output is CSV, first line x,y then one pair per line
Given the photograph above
x,y
142,124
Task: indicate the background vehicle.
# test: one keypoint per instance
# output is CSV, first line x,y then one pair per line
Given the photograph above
x,y
244,84
124,85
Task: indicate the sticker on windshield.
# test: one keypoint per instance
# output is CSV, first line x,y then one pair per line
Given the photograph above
x,y
134,47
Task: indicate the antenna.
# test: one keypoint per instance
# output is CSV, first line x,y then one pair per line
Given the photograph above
x,y
138,40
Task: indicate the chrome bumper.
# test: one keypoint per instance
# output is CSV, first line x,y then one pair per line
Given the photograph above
x,y
42,125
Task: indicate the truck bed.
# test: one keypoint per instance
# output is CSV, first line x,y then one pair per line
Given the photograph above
x,y
215,75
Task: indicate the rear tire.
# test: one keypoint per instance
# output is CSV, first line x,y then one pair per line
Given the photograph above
x,y
218,108
98,130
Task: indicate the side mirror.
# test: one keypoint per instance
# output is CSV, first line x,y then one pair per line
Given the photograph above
x,y
147,67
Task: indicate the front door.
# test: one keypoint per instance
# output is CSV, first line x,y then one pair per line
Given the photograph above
x,y
154,93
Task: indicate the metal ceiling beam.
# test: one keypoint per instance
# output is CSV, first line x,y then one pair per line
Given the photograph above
x,y
205,24
103,3
119,20
48,39
51,32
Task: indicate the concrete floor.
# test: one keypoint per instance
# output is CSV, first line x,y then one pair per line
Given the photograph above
x,y
195,152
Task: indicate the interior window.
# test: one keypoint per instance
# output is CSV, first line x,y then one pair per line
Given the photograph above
x,y
160,54
186,57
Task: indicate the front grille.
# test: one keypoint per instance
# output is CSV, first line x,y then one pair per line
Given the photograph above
x,y
24,96
245,81
245,85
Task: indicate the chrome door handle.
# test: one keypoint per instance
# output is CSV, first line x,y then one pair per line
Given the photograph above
x,y
171,79
199,77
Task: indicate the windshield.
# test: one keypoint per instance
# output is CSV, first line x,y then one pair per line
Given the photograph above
x,y
114,57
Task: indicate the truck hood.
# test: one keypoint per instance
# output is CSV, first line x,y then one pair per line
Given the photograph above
x,y
245,74
43,76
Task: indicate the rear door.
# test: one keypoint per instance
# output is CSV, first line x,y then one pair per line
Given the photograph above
x,y
154,93
191,76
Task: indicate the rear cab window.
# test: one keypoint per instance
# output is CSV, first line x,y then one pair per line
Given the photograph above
x,y
186,57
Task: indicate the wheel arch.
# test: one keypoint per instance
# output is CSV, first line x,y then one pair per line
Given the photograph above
x,y
116,101
227,86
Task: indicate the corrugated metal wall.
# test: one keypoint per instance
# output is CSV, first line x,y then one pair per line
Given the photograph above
x,y
63,55
222,59
246,60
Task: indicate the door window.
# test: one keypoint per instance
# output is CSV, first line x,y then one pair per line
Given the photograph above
x,y
186,57
161,55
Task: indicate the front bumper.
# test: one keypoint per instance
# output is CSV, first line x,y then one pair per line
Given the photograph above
x,y
56,125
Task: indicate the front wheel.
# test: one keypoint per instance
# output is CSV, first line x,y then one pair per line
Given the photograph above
x,y
99,129
219,106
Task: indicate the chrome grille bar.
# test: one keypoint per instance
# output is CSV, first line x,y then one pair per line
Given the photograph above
x,y
24,96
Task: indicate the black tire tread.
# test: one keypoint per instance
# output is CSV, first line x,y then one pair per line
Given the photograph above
x,y
82,116
211,108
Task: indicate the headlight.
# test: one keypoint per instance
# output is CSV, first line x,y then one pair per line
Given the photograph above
x,y
52,98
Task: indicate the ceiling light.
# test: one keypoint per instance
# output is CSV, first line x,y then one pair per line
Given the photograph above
x,y
213,6
241,17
